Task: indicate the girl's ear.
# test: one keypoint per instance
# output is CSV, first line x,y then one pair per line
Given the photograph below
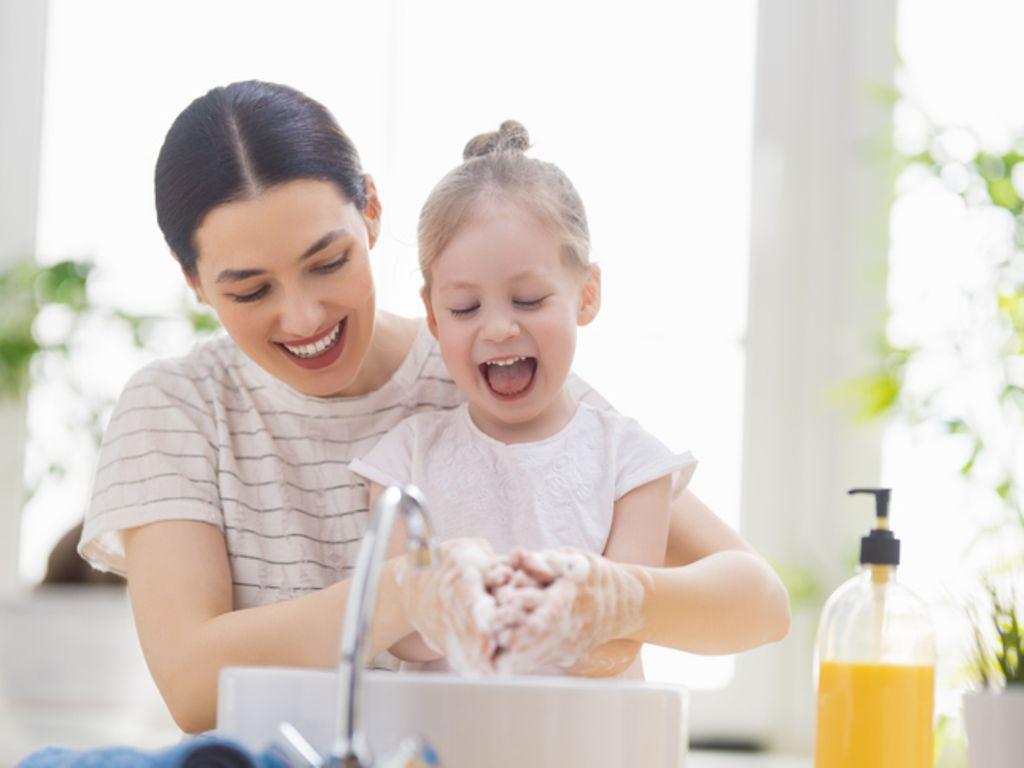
x,y
590,297
431,319
371,214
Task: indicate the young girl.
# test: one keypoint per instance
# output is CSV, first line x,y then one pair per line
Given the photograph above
x,y
504,251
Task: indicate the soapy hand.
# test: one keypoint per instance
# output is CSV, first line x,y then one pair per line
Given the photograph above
x,y
573,602
528,612
449,604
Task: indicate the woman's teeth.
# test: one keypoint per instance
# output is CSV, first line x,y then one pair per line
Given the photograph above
x,y
317,349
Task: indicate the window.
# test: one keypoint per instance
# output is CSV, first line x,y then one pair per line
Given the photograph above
x,y
942,263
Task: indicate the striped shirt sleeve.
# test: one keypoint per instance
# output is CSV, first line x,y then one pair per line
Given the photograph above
x,y
158,461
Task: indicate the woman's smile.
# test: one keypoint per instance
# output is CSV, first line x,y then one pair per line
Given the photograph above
x,y
317,352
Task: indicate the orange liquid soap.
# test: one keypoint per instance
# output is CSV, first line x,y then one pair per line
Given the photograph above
x,y
874,716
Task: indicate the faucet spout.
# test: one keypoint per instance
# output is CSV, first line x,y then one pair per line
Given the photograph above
x,y
351,748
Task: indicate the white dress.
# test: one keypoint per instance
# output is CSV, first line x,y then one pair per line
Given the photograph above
x,y
560,491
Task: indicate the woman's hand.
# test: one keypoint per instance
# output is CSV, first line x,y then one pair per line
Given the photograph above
x,y
581,601
449,604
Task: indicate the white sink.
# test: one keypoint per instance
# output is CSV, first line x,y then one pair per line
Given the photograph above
x,y
538,722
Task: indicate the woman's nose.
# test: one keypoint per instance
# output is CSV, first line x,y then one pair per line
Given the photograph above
x,y
302,316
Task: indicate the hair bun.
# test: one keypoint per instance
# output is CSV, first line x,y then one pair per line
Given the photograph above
x,y
510,137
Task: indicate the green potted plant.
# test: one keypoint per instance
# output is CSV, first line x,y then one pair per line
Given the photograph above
x,y
29,291
994,712
25,289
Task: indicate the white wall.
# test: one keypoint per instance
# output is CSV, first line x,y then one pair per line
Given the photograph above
x,y
22,57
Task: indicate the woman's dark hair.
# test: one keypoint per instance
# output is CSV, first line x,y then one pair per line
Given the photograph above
x,y
238,140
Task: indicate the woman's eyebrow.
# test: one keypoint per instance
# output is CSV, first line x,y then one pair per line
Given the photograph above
x,y
232,275
323,242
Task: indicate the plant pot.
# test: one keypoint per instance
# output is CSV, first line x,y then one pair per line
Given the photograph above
x,y
995,728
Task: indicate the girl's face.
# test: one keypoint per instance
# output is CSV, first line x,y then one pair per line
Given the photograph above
x,y
288,274
505,306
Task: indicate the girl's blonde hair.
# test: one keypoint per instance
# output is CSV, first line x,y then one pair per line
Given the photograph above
x,y
496,167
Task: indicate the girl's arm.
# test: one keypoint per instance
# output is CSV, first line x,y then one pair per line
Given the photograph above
x,y
640,524
179,582
639,533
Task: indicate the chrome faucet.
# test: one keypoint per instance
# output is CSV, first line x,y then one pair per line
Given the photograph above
x,y
351,748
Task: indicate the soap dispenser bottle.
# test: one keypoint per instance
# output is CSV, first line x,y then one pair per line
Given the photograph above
x,y
875,663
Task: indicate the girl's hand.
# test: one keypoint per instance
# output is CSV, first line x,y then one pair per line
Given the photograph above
x,y
611,659
449,604
585,601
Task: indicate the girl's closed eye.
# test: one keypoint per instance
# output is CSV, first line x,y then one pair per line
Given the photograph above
x,y
530,303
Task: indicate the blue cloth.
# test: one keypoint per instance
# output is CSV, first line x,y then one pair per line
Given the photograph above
x,y
200,752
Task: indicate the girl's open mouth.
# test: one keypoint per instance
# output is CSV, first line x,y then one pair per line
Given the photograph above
x,y
320,353
511,378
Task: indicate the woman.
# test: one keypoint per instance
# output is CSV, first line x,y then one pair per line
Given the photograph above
x,y
223,491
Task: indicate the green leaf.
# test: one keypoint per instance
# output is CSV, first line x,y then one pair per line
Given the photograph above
x,y
991,167
869,397
1004,194
1004,489
956,426
203,322
803,585
969,464
63,283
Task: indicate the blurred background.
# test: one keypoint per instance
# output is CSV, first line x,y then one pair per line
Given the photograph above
x,y
807,213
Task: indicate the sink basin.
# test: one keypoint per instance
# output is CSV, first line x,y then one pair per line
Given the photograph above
x,y
540,722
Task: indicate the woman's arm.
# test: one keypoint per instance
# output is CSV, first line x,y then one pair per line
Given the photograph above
x,y
179,582
724,603
411,647
723,599
712,572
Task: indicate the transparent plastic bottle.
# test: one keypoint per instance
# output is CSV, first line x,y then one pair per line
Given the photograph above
x,y
875,663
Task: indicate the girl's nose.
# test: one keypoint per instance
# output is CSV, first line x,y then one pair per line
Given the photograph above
x,y
302,316
500,326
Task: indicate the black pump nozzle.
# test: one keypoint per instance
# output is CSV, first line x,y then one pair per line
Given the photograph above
x,y
880,547
881,499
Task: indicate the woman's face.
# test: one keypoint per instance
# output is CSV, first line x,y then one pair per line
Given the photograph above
x,y
288,274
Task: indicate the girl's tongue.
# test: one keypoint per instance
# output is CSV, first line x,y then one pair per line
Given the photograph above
x,y
510,379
